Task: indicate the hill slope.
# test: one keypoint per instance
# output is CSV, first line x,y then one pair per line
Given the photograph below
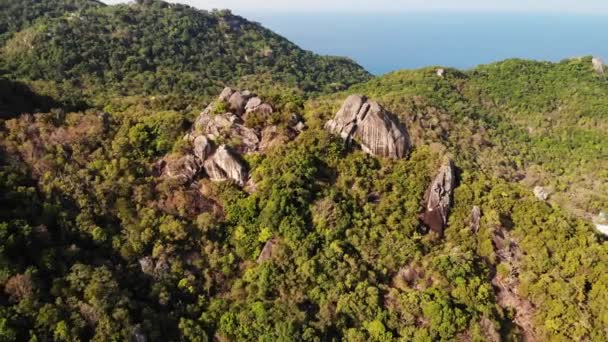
x,y
323,241
536,122
17,15
152,47
251,221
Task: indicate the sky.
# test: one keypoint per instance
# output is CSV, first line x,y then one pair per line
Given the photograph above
x,y
551,6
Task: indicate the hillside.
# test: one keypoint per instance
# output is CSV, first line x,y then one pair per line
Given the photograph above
x,y
18,15
140,201
156,48
538,123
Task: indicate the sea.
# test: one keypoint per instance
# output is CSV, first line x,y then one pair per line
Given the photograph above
x,y
384,42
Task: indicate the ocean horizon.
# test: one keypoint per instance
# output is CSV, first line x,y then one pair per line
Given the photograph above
x,y
385,42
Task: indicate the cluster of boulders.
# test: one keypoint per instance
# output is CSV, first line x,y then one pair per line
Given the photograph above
x,y
221,136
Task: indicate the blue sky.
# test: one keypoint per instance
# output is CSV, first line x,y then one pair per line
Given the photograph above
x,y
561,6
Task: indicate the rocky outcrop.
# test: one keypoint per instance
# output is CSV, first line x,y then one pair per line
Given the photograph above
x,y
541,193
228,127
411,276
182,169
598,65
475,222
223,165
601,223
232,126
224,123
439,199
377,131
156,269
201,147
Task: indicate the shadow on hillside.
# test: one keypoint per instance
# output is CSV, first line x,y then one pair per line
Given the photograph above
x,y
17,98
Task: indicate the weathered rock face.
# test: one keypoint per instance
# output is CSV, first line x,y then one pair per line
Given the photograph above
x,y
223,165
439,199
377,131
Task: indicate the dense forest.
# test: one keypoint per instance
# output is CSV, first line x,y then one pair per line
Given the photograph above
x,y
151,47
139,201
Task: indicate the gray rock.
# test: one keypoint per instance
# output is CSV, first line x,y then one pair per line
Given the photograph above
x,y
147,265
247,139
300,127
214,125
541,193
440,72
268,251
228,126
238,101
201,148
223,165
598,65
252,104
377,131
273,136
475,219
183,169
439,199
226,94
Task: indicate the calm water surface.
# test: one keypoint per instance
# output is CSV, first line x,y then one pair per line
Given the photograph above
x,y
384,42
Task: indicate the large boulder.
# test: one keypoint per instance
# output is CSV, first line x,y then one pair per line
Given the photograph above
x,y
541,193
182,169
223,165
226,94
439,199
598,65
377,131
238,101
